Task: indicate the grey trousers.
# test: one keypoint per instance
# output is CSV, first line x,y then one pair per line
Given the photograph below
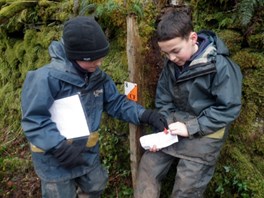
x,y
190,181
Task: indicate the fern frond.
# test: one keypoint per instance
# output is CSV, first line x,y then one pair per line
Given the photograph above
x,y
246,10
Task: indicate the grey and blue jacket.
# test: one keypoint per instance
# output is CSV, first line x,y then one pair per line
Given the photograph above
x,y
60,79
205,95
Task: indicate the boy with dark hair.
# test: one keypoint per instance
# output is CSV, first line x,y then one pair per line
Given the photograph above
x,y
199,93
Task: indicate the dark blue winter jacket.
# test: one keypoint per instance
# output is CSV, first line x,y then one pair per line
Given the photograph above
x,y
205,95
57,80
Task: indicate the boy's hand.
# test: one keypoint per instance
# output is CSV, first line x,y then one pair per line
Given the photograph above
x,y
69,155
178,128
154,149
154,119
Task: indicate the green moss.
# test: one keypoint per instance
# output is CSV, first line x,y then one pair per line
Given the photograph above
x,y
17,58
56,11
15,164
248,172
252,64
253,87
115,65
242,127
247,58
256,41
232,39
236,173
19,15
147,23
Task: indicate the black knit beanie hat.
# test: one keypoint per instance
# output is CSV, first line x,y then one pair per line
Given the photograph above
x,y
84,39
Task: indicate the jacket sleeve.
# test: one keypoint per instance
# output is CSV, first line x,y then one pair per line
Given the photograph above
x,y
118,106
164,101
227,91
37,97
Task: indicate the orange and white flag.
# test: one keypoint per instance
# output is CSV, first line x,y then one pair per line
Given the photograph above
x,y
131,91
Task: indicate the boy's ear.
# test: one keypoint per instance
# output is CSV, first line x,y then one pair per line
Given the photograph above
x,y
194,37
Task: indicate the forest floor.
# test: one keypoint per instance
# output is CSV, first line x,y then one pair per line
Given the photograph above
x,y
17,176
21,185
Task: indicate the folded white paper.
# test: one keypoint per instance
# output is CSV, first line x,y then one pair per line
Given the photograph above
x,y
161,140
69,117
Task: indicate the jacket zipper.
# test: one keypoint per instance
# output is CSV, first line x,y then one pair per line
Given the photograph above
x,y
86,78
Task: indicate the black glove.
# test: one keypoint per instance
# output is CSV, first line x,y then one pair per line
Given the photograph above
x,y
154,119
69,155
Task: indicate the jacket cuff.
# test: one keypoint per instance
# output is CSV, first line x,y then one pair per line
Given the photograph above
x,y
193,127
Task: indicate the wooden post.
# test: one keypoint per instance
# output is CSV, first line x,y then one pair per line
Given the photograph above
x,y
135,75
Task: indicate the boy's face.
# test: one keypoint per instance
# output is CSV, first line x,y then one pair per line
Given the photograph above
x,y
90,66
180,50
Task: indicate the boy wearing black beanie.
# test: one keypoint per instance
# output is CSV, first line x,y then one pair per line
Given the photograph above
x,y
66,163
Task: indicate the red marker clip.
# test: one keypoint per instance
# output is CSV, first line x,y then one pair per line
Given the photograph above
x,y
166,131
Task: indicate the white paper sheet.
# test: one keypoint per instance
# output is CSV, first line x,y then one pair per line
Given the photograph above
x,y
69,117
161,140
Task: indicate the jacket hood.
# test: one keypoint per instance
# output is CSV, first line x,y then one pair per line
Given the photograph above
x,y
57,51
221,48
59,61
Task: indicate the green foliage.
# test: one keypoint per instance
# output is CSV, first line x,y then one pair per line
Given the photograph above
x,y
214,21
256,41
253,68
17,58
137,9
147,24
17,15
236,175
118,11
214,14
110,140
246,10
114,147
249,59
112,16
115,64
247,171
253,87
243,14
231,182
15,164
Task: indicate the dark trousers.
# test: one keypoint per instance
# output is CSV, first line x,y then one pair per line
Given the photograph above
x,y
190,181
